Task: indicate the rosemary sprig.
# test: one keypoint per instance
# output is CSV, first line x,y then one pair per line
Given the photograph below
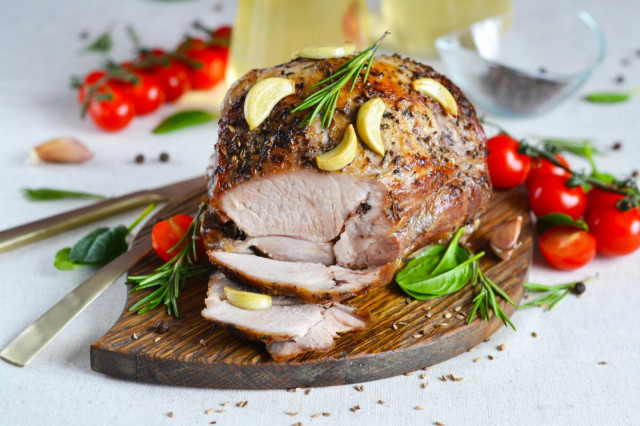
x,y
324,101
554,293
486,300
171,277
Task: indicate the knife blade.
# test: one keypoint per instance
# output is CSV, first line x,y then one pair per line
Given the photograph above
x,y
43,228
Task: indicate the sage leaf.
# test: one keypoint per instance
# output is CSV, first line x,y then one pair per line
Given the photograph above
x,y
558,219
47,194
62,261
183,119
100,246
608,97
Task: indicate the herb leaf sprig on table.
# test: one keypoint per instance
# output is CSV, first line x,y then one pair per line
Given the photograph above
x,y
324,101
171,277
183,119
440,270
554,293
611,97
48,194
99,247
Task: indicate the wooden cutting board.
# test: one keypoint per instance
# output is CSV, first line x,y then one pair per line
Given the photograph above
x,y
196,353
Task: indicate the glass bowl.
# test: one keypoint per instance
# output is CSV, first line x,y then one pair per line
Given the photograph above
x,y
523,65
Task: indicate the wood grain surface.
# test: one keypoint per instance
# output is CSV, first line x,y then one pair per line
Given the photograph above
x,y
196,353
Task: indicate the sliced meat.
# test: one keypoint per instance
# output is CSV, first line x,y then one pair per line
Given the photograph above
x,y
310,282
289,327
292,249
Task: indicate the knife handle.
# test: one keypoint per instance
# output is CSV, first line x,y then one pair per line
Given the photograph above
x,y
35,337
34,231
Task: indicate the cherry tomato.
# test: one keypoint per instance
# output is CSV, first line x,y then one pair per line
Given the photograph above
x,y
213,62
113,113
617,232
172,76
167,233
90,79
147,93
222,33
542,167
507,167
550,194
597,197
191,44
567,247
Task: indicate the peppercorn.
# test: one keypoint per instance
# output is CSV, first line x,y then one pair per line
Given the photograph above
x,y
617,145
139,159
635,174
620,79
579,288
162,326
164,157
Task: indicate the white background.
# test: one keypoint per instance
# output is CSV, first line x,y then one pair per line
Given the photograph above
x,y
552,379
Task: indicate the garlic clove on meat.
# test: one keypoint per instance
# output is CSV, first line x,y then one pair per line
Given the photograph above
x,y
368,124
326,51
438,92
247,299
342,155
263,97
60,150
505,237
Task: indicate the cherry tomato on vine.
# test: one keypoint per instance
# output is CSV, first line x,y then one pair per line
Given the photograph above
x,y
167,233
507,167
617,232
115,111
147,94
597,197
89,80
550,194
213,62
172,76
191,44
567,247
542,167
222,33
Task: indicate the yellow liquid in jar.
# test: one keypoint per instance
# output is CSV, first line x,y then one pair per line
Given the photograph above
x,y
268,32
415,24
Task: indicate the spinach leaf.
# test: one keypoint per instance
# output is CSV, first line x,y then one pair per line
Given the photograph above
x,y
100,246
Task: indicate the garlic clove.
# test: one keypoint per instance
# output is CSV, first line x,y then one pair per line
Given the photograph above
x,y
505,237
247,299
263,97
438,92
60,150
326,51
368,124
342,155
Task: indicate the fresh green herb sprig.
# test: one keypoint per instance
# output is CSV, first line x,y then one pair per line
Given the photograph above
x,y
183,119
99,247
611,97
486,300
171,277
48,194
324,101
554,293
102,44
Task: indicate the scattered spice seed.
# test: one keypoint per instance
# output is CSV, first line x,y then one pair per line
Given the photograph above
x,y
419,407
491,358
459,316
213,422
307,392
437,423
502,347
209,411
424,385
602,363
487,339
242,404
418,335
139,159
408,373
534,334
617,145
477,360
203,343
162,326
447,315
221,411
354,408
443,378
326,414
316,415
429,314
443,324
579,288
226,403
620,79
359,388
423,376
83,35
157,339
381,402
635,174
457,309
170,414
134,336
472,349
455,379
164,157
292,413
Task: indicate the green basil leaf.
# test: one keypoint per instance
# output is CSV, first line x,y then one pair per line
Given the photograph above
x,y
46,194
558,219
100,246
607,97
422,265
451,257
183,119
62,261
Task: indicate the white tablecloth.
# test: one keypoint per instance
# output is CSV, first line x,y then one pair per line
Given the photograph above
x,y
555,378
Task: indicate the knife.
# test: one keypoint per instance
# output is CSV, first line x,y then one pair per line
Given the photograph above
x,y
34,231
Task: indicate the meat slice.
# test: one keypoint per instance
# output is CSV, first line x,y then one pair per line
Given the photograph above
x,y
310,282
292,249
290,327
